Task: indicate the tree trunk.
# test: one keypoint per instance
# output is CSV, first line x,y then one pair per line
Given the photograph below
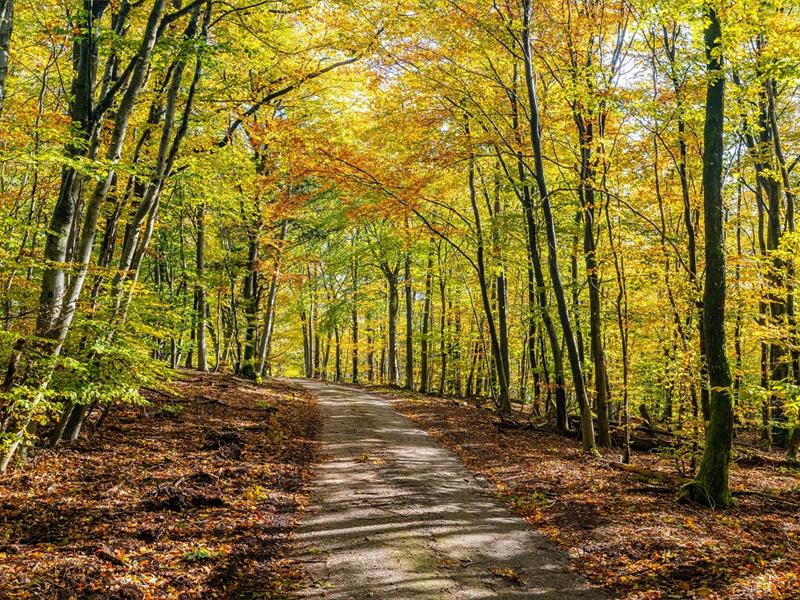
x,y
537,292
622,324
200,261
307,365
84,124
442,330
250,298
393,307
354,268
424,385
409,325
269,315
711,485
370,354
587,426
338,357
323,371
790,434
6,27
501,285
140,226
65,238
588,204
504,399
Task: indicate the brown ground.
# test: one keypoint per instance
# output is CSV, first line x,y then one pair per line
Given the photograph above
x,y
161,505
628,534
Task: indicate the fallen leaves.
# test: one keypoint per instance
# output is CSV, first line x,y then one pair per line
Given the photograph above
x,y
366,458
191,503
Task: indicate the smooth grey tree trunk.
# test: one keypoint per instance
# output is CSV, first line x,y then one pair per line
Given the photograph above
x,y
57,304
167,152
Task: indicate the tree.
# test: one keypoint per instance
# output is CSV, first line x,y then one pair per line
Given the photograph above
x,y
711,484
587,427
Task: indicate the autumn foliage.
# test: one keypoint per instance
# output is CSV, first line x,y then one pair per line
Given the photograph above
x,y
578,211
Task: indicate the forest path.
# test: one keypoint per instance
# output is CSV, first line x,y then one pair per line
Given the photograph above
x,y
395,516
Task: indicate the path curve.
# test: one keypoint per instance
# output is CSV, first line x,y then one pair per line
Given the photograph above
x,y
395,516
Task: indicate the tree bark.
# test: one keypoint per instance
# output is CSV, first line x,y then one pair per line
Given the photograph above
x,y
57,304
537,292
200,290
6,28
250,298
393,309
354,312
501,285
370,353
84,123
442,329
588,204
409,297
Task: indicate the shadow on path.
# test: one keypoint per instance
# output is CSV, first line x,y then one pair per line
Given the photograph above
x,y
395,516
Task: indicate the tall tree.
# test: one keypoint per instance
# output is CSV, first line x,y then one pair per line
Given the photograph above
x,y
711,484
587,426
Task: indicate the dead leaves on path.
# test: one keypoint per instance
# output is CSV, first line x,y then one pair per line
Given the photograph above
x,y
366,458
508,575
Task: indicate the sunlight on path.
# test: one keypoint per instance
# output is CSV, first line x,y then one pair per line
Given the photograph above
x,y
395,516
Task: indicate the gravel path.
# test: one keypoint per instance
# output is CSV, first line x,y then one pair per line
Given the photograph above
x,y
395,516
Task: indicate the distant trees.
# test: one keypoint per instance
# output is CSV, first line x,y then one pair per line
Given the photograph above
x,y
641,197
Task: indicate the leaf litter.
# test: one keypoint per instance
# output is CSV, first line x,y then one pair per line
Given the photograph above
x,y
163,503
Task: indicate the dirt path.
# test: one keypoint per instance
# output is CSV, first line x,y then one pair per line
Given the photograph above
x,y
395,516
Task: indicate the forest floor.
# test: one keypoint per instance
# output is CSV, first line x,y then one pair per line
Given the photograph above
x,y
629,534
199,495
192,496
